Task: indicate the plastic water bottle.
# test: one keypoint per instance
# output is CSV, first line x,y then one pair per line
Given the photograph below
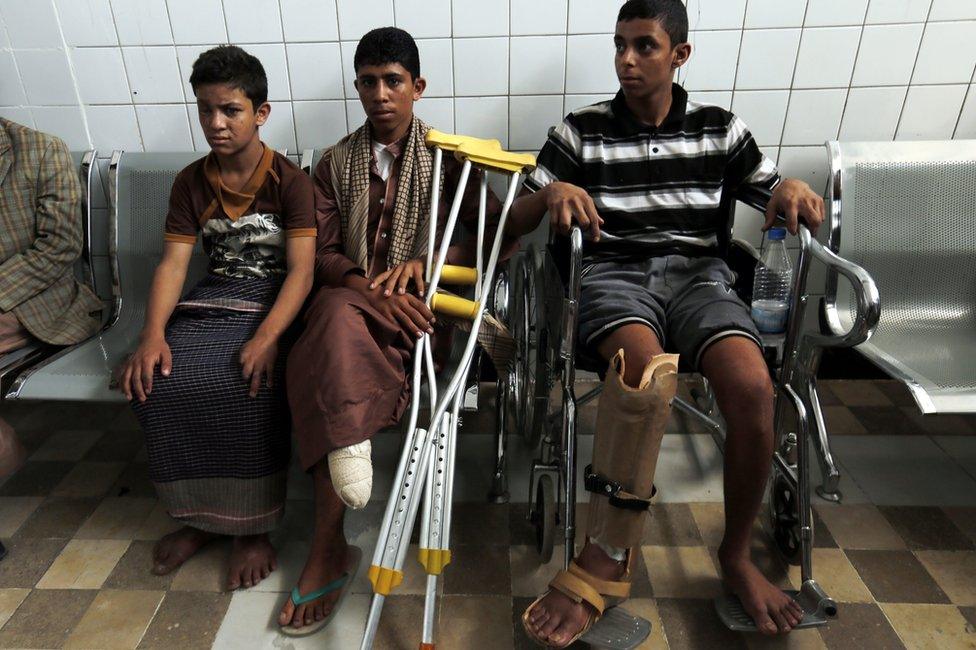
x,y
771,288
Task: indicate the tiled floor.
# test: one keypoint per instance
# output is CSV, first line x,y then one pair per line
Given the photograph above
x,y
899,555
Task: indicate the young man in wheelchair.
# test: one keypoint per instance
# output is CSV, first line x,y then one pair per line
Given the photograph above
x,y
643,176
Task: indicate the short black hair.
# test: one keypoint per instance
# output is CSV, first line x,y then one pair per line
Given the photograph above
x,y
229,64
388,45
672,15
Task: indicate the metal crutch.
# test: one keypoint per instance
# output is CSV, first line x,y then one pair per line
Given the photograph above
x,y
416,461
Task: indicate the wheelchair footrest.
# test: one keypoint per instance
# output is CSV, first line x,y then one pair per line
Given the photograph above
x,y
617,630
734,616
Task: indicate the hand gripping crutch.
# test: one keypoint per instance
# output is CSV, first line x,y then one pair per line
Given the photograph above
x,y
427,460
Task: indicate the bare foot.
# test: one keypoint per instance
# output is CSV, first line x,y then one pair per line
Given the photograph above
x,y
325,564
176,548
557,618
773,611
252,559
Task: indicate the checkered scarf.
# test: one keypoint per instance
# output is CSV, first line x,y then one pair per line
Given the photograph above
x,y
350,163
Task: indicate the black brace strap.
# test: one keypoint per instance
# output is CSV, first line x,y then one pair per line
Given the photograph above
x,y
617,496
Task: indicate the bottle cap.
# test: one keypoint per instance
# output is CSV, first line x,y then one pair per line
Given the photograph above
x,y
776,234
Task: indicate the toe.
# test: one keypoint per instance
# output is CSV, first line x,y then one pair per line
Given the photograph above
x,y
765,624
550,626
286,613
298,618
782,624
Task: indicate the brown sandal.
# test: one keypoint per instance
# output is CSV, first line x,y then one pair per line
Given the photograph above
x,y
581,586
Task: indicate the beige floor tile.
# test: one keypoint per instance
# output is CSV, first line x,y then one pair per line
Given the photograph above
x,y
88,479
841,421
46,618
860,526
529,577
83,564
14,511
117,518
10,600
67,445
930,627
414,579
681,572
860,393
205,571
795,640
187,620
115,619
647,608
836,575
955,573
710,518
475,622
157,524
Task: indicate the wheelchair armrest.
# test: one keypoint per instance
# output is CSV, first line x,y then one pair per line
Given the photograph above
x,y
754,197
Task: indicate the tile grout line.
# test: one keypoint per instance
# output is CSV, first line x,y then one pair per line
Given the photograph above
x,y
186,100
965,98
291,94
911,78
128,81
789,99
71,69
850,84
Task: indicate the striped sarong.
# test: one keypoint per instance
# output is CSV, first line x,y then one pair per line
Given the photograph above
x,y
217,457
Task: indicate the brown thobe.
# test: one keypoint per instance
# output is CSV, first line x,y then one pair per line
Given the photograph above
x,y
348,373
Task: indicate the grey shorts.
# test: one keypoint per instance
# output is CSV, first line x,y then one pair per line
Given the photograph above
x,y
687,301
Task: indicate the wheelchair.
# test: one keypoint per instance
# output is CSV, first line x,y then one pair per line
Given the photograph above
x,y
537,297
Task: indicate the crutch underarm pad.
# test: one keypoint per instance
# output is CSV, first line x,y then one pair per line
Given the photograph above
x,y
619,498
451,141
459,275
450,305
495,158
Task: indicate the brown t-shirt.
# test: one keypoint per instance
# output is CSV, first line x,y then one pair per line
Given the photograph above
x,y
244,232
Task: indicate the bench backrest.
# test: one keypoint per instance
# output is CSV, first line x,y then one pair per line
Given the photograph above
x,y
906,212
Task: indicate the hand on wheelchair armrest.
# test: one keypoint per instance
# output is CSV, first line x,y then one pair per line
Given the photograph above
x,y
793,202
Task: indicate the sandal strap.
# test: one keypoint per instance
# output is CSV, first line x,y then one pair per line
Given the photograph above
x,y
298,599
614,588
579,590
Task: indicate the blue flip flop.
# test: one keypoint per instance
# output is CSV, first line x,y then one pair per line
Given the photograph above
x,y
340,584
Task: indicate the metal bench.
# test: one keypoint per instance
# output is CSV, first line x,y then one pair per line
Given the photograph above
x,y
906,212
14,363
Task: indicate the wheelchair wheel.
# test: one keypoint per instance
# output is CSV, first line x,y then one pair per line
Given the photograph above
x,y
543,517
785,519
523,385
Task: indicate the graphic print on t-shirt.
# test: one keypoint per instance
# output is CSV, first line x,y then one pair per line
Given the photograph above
x,y
252,246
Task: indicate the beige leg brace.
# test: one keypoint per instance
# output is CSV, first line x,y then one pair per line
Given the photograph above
x,y
630,425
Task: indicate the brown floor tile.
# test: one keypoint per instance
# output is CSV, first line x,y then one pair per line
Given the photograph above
x,y
841,421
475,622
896,392
529,578
117,518
125,421
67,445
482,570
926,528
693,624
158,523
35,479
964,519
647,608
45,618
88,479
480,523
938,425
115,619
827,395
83,564
58,517
414,577
522,532
969,613
10,600
134,570
671,524
886,421
205,571
896,577
860,526
809,639
710,519
860,626
28,560
860,393
681,572
134,482
186,620
821,534
117,446
400,627
955,573
930,626
838,577
70,416
14,511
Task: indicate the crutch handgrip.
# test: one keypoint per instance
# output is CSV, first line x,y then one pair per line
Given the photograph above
x,y
495,158
451,141
450,305
434,559
459,275
384,580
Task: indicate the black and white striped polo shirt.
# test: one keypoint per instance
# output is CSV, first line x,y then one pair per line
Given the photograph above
x,y
658,190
